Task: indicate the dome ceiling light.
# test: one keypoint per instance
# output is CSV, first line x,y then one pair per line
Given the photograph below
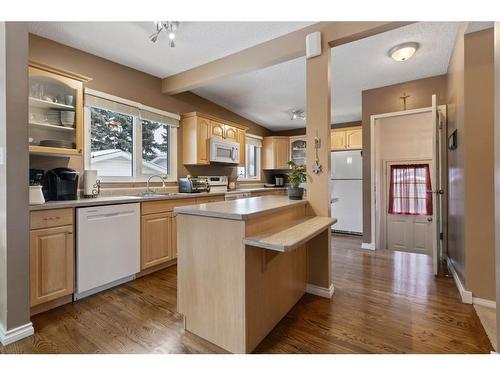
x,y
404,51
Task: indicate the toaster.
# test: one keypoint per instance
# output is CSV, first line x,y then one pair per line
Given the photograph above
x,y
193,185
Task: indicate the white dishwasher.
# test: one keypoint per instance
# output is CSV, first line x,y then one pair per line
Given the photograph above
x,y
107,247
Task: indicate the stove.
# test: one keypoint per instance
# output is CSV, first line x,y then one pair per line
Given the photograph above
x,y
218,184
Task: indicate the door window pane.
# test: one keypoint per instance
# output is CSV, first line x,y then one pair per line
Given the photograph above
x,y
111,143
155,143
409,191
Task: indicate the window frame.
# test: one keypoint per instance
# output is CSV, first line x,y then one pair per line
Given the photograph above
x,y
258,161
137,151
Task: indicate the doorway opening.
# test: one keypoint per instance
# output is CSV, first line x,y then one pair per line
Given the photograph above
x,y
408,178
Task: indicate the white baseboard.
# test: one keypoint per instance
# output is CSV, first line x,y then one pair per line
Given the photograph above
x,y
368,246
16,334
320,291
465,294
484,302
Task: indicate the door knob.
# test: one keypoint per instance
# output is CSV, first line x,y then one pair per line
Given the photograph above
x,y
429,219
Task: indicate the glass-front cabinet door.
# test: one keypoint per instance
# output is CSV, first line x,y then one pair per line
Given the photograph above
x,y
55,112
298,150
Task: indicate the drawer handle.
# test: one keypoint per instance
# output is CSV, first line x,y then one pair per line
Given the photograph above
x,y
52,218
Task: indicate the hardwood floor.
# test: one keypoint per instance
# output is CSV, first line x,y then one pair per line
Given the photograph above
x,y
384,302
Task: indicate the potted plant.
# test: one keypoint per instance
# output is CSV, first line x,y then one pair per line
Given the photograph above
x,y
296,177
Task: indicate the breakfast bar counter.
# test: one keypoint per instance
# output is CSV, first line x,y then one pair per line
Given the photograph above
x,y
242,265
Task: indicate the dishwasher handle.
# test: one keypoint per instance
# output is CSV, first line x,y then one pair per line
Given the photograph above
x,y
106,216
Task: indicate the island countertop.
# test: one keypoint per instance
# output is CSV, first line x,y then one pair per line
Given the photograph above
x,y
241,209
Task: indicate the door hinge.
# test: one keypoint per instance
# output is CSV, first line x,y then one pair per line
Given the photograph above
x,y
441,236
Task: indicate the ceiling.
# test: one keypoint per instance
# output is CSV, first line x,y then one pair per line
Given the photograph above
x,y
267,96
128,43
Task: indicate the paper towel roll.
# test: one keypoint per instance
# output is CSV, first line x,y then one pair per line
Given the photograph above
x,y
91,184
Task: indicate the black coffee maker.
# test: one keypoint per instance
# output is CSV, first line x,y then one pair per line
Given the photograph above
x,y
60,184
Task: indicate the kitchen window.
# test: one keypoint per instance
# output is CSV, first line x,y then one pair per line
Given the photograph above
x,y
128,142
252,168
409,190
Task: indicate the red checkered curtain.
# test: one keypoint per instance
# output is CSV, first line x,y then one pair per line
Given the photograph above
x,y
409,192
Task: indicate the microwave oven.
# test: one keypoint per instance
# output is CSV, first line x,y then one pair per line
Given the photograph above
x,y
222,151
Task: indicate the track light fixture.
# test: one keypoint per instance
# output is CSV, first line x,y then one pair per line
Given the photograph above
x,y
297,114
170,27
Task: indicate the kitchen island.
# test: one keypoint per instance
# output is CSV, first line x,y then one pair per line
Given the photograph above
x,y
242,265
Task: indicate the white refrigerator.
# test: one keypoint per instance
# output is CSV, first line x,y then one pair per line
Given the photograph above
x,y
347,191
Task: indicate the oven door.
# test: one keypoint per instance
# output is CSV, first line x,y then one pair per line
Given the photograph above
x,y
224,151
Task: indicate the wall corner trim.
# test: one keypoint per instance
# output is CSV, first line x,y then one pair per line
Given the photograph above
x,y
368,246
320,291
16,334
465,294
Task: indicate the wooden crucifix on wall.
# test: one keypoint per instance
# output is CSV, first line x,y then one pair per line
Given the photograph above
x,y
404,98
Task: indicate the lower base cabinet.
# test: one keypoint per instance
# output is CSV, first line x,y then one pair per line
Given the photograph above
x,y
270,192
157,239
159,229
52,264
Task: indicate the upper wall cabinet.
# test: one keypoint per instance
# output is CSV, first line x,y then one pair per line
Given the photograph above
x,y
55,111
275,152
198,128
347,138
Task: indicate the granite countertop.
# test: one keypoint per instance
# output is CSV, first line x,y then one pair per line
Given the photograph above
x,y
120,199
241,209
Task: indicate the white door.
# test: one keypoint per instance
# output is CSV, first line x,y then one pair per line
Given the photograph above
x,y
410,221
409,233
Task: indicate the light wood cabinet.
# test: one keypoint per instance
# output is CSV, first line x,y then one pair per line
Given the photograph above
x,y
55,110
216,129
337,139
270,192
242,142
275,152
159,229
347,138
157,239
198,128
230,133
354,139
52,258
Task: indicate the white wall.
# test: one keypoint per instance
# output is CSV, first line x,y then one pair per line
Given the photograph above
x,y
399,138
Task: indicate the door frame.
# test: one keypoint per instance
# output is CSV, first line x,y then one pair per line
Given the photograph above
x,y
385,192
442,178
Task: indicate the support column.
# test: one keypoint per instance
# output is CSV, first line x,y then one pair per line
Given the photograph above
x,y
14,163
318,113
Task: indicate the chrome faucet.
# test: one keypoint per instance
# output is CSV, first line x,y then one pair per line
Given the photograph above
x,y
148,190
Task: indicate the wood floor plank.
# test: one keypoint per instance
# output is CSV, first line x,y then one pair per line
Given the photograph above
x,y
384,302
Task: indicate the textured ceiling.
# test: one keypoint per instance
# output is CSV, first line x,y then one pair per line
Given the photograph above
x,y
266,96
197,43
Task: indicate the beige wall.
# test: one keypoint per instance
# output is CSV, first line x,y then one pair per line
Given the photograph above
x,y
479,164
471,165
119,80
456,195
385,100
14,223
497,169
